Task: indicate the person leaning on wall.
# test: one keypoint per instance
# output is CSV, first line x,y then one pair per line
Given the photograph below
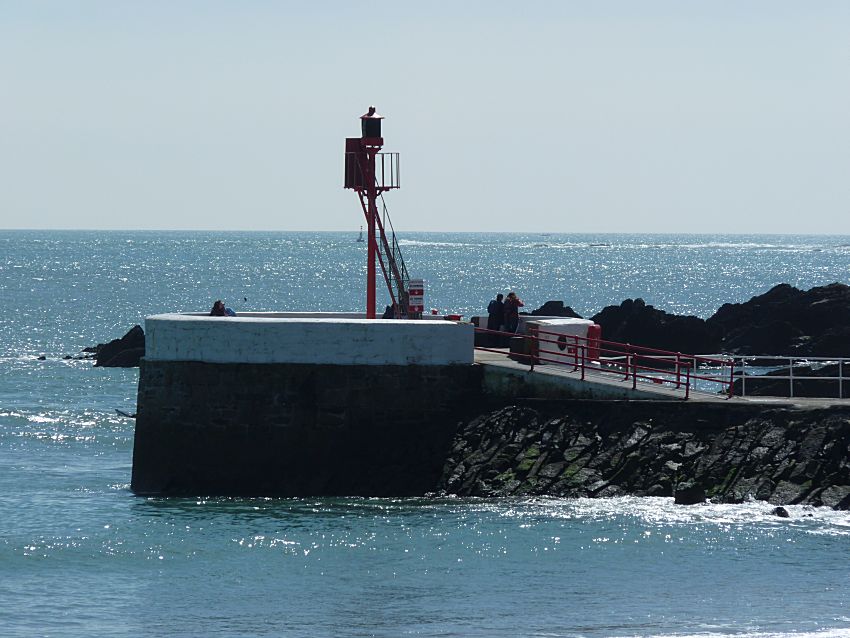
x,y
220,310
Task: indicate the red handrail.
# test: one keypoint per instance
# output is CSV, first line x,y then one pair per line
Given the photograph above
x,y
640,362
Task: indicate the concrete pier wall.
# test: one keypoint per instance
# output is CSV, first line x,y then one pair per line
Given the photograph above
x,y
299,406
295,429
510,383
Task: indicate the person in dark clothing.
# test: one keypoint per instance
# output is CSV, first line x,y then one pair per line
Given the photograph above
x,y
218,309
496,313
512,306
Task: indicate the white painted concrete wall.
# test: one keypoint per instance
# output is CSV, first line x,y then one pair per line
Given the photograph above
x,y
524,319
291,315
563,353
283,338
562,326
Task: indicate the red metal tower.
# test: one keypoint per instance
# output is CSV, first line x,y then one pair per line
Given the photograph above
x,y
370,173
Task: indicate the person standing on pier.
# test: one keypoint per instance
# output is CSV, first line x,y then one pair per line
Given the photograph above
x,y
496,313
512,306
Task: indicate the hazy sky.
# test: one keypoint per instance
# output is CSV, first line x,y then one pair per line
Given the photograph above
x,y
558,116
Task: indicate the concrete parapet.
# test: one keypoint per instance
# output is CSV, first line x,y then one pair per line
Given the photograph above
x,y
314,338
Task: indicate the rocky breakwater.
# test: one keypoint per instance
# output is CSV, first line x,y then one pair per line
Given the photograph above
x,y
722,452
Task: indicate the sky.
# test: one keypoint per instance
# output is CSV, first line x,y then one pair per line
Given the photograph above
x,y
535,116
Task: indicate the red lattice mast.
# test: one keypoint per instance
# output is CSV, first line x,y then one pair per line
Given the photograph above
x,y
370,173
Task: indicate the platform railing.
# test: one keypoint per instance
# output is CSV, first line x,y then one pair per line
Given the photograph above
x,y
775,363
638,364
387,171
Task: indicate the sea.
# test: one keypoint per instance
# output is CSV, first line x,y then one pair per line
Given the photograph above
x,y
80,555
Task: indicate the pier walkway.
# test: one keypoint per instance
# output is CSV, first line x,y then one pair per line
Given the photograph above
x,y
508,376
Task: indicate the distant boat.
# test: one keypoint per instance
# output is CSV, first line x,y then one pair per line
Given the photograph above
x,y
361,234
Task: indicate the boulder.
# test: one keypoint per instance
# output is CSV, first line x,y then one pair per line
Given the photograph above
x,y
635,322
555,309
125,359
782,321
107,354
689,493
787,321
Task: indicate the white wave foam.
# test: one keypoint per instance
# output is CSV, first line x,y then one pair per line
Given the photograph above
x,y
438,244
839,632
662,511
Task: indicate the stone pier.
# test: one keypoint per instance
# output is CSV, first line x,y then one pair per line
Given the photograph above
x,y
287,404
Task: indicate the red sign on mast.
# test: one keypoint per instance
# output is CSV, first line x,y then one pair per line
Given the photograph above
x,y
416,297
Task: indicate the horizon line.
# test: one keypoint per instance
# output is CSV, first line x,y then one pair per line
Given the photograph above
x,y
456,232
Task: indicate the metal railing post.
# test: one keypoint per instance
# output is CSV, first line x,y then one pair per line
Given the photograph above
x,y
634,371
688,382
575,353
731,392
583,361
791,378
678,370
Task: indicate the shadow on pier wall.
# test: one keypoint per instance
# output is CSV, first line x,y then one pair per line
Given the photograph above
x,y
296,430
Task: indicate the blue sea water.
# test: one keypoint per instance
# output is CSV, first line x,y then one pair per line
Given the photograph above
x,y
81,556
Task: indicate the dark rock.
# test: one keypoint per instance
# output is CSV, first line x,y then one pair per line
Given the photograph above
x,y
133,341
835,496
125,359
786,320
831,342
555,309
657,490
780,511
635,322
765,337
782,321
693,452
689,493
808,384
